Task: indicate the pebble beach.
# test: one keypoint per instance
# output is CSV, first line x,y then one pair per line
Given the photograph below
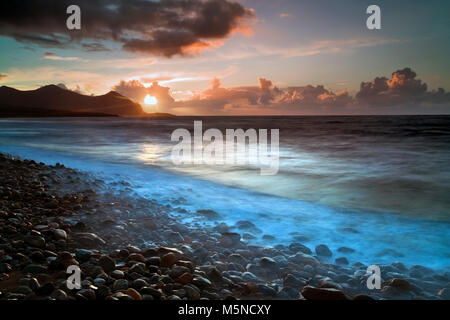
x,y
52,217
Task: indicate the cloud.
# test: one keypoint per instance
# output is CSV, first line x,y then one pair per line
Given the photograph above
x,y
307,96
136,91
285,15
403,93
3,76
132,89
264,96
54,56
316,47
165,28
268,91
94,47
161,93
402,88
62,86
77,89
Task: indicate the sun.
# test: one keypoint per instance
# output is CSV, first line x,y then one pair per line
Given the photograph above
x,y
150,100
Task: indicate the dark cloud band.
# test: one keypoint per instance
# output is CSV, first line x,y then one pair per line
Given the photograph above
x,y
166,27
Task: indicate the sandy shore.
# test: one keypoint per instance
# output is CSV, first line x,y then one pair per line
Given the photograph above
x,y
52,217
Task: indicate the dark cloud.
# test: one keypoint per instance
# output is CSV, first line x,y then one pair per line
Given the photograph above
x,y
94,47
132,89
268,91
62,86
3,76
77,89
166,27
402,88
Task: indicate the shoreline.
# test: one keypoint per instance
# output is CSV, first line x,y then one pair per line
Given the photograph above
x,y
53,216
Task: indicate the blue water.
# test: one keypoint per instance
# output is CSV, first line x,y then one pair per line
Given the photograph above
x,y
369,183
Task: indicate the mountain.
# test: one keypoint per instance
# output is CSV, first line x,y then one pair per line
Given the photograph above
x,y
55,99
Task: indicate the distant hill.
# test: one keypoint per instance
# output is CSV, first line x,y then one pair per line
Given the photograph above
x,y
50,99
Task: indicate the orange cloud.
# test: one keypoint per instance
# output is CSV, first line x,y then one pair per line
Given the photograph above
x,y
402,93
285,15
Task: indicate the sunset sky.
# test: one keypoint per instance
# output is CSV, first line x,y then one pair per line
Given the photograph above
x,y
217,57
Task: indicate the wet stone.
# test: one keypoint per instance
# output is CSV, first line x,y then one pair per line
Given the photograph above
x,y
342,261
323,250
120,284
168,260
107,263
345,250
35,269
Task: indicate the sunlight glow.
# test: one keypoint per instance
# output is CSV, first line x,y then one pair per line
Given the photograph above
x,y
150,100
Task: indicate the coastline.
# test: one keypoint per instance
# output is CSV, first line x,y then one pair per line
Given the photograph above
x,y
52,217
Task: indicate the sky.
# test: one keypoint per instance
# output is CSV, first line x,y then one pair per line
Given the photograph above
x,y
247,57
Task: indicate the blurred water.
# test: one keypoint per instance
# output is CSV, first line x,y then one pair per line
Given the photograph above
x,y
372,183
396,164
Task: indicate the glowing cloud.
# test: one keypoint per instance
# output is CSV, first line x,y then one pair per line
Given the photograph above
x,y
150,100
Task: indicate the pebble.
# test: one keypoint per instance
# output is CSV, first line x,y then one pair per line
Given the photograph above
x,y
117,274
185,278
201,282
35,241
24,290
323,250
5,268
291,281
154,261
155,293
230,239
345,250
59,294
267,262
60,234
133,293
288,293
342,260
107,263
35,269
214,274
298,247
266,290
192,293
136,257
401,284
168,260
89,294
83,254
120,284
312,293
304,259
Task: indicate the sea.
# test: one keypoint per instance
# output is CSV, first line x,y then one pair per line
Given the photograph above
x,y
377,184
